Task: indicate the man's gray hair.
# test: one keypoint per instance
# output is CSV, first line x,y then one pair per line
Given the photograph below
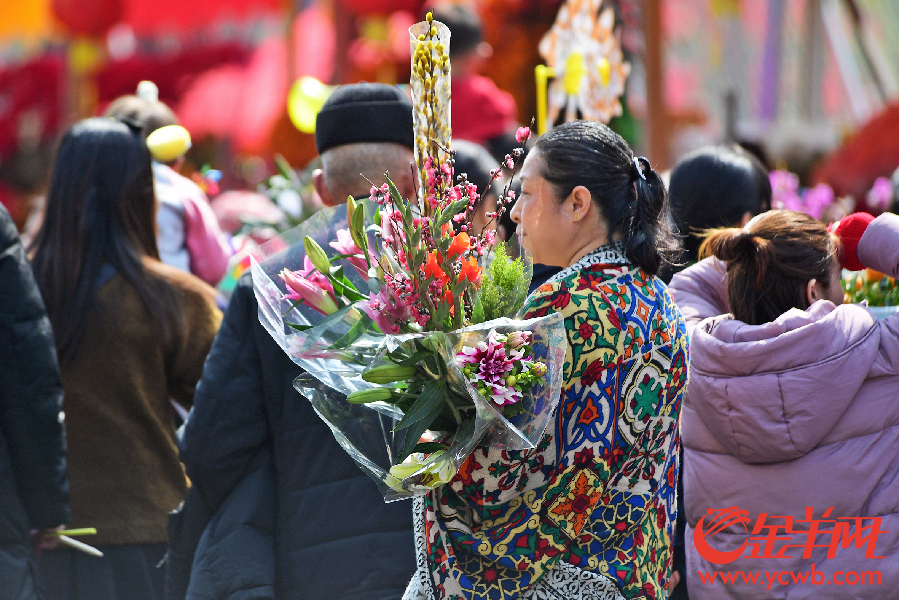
x,y
348,168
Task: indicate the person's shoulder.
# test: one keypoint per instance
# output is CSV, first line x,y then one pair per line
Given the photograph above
x,y
186,284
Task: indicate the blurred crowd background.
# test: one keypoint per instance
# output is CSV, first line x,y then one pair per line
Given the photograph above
x,y
809,86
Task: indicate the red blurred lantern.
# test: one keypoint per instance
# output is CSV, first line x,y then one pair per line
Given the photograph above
x,y
363,8
89,17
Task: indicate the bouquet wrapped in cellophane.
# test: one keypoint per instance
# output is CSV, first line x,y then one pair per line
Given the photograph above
x,y
402,316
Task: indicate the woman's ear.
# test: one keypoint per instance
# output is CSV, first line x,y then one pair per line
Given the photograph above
x,y
813,291
580,202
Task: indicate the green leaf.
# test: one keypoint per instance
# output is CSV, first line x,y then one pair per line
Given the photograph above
x,y
293,306
285,170
356,230
429,447
451,211
414,359
477,311
414,431
429,398
399,201
355,332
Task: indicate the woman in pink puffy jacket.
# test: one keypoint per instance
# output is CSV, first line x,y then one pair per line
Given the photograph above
x,y
790,423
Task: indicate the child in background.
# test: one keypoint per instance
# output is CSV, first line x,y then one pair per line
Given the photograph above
x,y
189,236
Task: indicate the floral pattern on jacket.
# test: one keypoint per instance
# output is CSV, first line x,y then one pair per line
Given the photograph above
x,y
599,490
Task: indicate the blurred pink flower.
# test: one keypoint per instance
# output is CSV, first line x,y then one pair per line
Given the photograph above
x,y
785,190
816,199
881,194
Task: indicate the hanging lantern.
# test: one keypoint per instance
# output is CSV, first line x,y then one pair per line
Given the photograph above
x,y
89,17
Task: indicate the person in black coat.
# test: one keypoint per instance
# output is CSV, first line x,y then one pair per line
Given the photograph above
x,y
293,516
33,483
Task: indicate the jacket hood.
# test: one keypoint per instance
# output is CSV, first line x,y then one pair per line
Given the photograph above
x,y
771,392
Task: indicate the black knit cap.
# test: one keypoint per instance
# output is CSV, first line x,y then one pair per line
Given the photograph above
x,y
364,112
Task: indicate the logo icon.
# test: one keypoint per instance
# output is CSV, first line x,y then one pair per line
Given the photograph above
x,y
721,518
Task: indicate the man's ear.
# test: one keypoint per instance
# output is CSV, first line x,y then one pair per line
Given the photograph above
x,y
318,182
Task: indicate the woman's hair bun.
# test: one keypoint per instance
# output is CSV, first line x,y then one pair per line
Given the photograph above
x,y
734,245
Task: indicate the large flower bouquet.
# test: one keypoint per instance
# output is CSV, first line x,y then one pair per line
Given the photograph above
x,y
402,315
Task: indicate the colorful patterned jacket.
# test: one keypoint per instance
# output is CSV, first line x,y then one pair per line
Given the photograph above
x,y
599,491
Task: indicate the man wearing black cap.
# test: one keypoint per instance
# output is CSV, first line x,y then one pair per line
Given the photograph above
x,y
363,131
294,517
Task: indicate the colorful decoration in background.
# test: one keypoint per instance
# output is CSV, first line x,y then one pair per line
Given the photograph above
x,y
871,152
583,55
305,99
381,50
169,143
363,8
91,18
31,112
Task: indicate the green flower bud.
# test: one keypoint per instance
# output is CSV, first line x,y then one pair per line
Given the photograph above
x,y
388,374
317,256
378,394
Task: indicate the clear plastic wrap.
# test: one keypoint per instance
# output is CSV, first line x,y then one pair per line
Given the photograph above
x,y
365,431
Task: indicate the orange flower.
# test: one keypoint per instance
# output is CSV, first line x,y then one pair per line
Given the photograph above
x,y
470,271
432,268
459,246
873,276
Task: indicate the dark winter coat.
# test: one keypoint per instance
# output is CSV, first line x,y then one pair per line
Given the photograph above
x,y
33,484
333,537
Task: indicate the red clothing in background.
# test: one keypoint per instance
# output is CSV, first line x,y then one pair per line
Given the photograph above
x,y
480,110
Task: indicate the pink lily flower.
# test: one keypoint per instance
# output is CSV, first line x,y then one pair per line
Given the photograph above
x,y
346,245
386,310
310,290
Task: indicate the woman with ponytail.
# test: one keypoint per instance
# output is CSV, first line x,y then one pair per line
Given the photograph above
x,y
590,512
791,414
132,335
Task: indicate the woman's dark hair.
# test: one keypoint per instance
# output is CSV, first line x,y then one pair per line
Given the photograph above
x,y
770,264
714,187
632,199
100,210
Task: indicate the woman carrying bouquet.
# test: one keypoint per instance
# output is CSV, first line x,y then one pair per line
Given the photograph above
x,y
132,335
791,414
590,512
